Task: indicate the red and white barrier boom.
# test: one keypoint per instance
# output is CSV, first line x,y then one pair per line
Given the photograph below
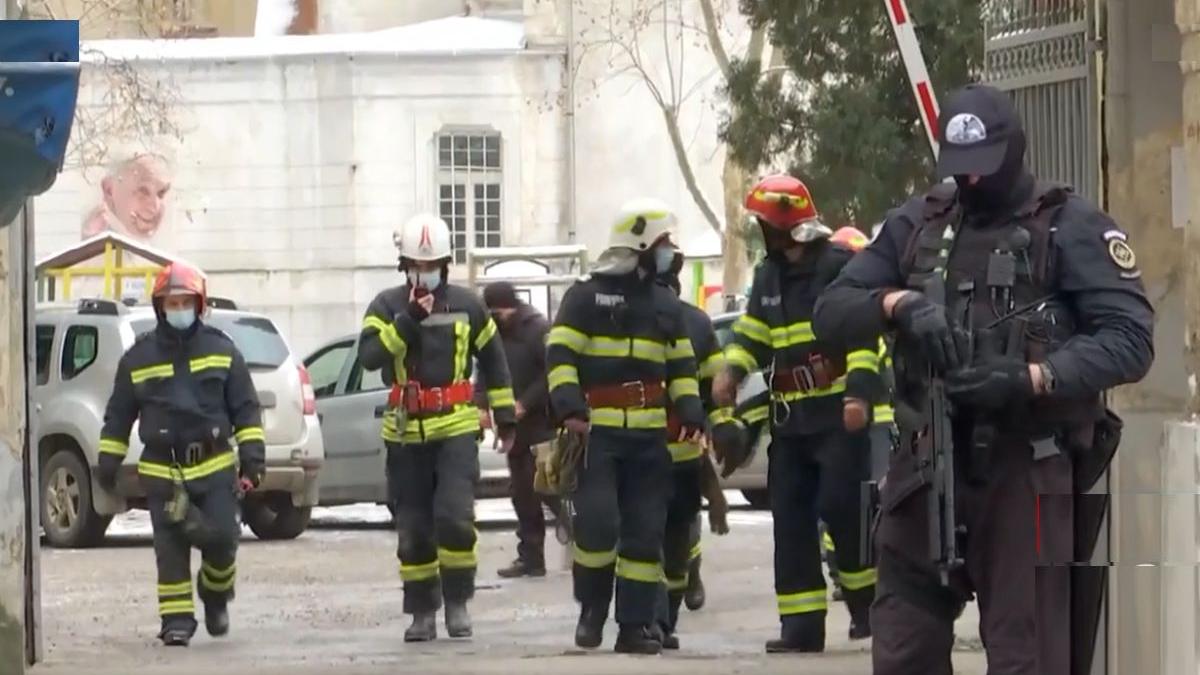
x,y
914,63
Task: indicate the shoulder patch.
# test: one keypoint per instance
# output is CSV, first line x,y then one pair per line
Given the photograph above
x,y
1121,253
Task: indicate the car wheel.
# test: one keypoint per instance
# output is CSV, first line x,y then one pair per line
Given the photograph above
x,y
68,516
275,517
759,499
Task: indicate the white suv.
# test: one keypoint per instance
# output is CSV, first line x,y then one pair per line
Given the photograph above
x,y
78,347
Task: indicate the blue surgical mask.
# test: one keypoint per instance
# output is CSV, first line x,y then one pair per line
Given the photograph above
x,y
430,280
181,319
663,257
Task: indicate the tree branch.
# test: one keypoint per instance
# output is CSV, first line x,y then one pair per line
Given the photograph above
x,y
714,39
685,168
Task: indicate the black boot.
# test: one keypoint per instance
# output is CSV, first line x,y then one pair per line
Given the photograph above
x,y
589,632
216,617
799,633
860,630
177,632
458,620
637,640
694,596
423,628
523,568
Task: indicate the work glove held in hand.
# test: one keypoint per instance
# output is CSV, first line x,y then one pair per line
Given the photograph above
x,y
730,447
991,385
925,323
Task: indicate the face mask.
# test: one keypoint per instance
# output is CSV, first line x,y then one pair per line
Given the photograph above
x,y
181,319
663,257
430,280
1002,189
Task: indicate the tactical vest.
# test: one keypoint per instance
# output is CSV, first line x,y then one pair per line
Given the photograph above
x,y
999,284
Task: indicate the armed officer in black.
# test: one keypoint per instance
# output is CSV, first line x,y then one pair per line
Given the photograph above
x,y
190,387
1043,310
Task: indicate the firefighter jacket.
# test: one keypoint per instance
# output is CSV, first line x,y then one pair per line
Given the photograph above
x,y
193,395
619,332
710,358
807,376
436,354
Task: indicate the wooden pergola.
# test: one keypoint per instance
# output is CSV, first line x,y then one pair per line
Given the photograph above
x,y
119,258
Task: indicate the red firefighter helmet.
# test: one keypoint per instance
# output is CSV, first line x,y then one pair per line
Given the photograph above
x,y
784,203
850,237
179,278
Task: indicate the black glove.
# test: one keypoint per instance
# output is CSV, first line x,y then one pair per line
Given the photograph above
x,y
992,385
106,472
863,385
925,323
730,447
253,470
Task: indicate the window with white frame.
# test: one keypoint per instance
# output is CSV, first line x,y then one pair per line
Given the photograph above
x,y
468,183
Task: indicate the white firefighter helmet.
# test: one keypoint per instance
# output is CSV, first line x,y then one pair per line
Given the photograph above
x,y
640,224
424,238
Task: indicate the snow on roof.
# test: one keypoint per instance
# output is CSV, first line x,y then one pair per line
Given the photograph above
x,y
449,36
93,246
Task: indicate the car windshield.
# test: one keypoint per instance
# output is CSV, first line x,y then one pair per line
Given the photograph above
x,y
256,337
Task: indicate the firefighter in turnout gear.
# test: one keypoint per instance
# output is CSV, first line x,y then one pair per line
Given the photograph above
x,y
1015,304
191,390
681,542
820,448
425,334
619,357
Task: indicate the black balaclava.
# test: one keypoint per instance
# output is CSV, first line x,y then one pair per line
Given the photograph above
x,y
1006,188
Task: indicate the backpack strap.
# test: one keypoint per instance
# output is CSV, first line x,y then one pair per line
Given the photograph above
x,y
928,247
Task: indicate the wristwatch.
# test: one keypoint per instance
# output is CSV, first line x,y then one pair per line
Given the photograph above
x,y
1047,378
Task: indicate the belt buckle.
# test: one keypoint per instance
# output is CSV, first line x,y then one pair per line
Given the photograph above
x,y
639,387
440,397
410,397
804,379
193,454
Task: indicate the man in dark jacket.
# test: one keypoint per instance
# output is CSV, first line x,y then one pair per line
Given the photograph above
x,y
523,330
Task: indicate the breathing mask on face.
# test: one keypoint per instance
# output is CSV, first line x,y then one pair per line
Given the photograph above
x,y
664,258
1000,189
429,279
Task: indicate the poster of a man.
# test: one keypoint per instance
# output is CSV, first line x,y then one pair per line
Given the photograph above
x,y
134,195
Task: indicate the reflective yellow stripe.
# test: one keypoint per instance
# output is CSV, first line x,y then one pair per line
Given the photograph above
x,y
837,387
720,416
419,572
208,467
854,581
458,560
802,603
160,371
884,414
176,607
756,414
501,398
215,579
399,369
181,588
464,419
736,355
247,434
711,366
390,430
462,337
681,349
485,334
561,375
677,583
827,541
795,334
683,386
212,361
112,446
649,350
695,552
684,452
388,334
594,559
635,570
627,224
862,359
619,348
568,337
753,328
636,418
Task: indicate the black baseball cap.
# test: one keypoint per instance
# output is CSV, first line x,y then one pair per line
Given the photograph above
x,y
976,124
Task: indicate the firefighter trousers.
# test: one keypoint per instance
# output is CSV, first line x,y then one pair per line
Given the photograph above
x,y
817,476
433,489
1019,523
681,540
215,499
620,515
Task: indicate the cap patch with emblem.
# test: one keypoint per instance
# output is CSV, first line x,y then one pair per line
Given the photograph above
x,y
965,129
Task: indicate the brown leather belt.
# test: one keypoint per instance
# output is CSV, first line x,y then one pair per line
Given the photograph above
x,y
636,394
818,373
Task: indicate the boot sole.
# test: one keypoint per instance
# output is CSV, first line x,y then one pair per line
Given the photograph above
x,y
460,633
420,638
781,649
638,651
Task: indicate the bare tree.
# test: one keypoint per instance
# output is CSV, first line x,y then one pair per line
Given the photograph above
x,y
130,105
630,35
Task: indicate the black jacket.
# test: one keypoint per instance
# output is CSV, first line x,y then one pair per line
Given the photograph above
x,y
524,338
186,388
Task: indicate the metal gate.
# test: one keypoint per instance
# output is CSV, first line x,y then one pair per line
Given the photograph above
x,y
1042,52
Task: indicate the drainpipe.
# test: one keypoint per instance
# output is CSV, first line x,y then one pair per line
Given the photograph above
x,y
571,226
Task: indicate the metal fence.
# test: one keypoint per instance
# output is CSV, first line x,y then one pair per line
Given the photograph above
x,y
1041,51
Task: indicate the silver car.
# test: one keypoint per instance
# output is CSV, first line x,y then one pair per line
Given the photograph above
x,y
350,402
78,347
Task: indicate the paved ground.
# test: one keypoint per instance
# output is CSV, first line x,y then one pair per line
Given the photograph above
x,y
329,602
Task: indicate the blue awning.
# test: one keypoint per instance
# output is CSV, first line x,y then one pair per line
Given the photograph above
x,y
39,84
